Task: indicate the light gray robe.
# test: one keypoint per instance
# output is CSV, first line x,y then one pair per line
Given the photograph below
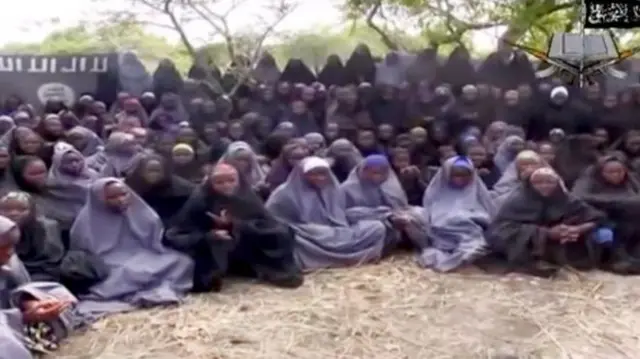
x,y
15,285
457,220
324,237
378,202
143,272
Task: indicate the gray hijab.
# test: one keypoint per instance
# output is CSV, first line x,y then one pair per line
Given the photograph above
x,y
143,272
67,193
256,173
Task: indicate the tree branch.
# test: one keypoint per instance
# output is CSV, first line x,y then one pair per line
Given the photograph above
x,y
392,45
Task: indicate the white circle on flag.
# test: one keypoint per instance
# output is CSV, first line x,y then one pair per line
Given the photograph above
x,y
56,91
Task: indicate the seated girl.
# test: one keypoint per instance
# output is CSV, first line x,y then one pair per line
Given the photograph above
x,y
525,163
343,156
118,157
541,227
41,250
409,175
121,230
311,203
291,154
372,192
68,184
162,190
610,187
226,229
34,316
459,209
243,157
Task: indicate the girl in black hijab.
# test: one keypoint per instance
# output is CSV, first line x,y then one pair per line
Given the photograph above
x,y
541,227
163,191
226,229
360,67
333,72
610,187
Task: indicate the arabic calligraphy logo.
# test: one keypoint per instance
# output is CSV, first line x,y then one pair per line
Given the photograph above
x,y
575,57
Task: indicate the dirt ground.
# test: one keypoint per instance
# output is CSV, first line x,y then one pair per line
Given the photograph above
x,y
393,310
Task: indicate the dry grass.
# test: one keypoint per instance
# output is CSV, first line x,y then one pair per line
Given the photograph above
x,y
389,311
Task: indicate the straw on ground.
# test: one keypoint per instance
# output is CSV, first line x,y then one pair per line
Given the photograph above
x,y
392,310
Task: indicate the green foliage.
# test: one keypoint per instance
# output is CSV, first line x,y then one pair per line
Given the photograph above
x,y
116,37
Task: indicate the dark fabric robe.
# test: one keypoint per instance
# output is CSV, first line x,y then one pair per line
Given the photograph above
x,y
520,231
260,247
621,204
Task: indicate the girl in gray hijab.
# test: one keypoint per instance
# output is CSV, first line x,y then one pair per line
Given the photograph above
x,y
343,156
84,140
311,203
119,155
524,164
34,316
243,157
459,209
68,183
118,227
373,192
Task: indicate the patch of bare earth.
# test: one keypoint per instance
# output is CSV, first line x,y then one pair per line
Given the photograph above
x,y
393,310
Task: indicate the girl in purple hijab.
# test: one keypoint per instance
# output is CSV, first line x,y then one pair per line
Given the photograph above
x,y
459,208
311,204
118,227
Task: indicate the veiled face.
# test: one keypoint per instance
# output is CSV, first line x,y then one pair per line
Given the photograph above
x,y
4,158
117,196
16,209
401,159
460,176
186,135
267,93
72,163
526,166
366,139
544,183
614,172
153,172
241,160
331,130
28,141
375,174
35,173
632,143
296,155
298,107
525,91
236,131
601,136
478,155
318,177
225,182
284,88
516,146
53,125
182,156
419,136
547,152
308,94
511,98
129,123
610,101
385,132
7,246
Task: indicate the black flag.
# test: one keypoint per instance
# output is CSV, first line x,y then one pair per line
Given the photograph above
x,y
604,14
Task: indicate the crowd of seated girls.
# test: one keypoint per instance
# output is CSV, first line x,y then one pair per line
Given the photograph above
x,y
121,210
